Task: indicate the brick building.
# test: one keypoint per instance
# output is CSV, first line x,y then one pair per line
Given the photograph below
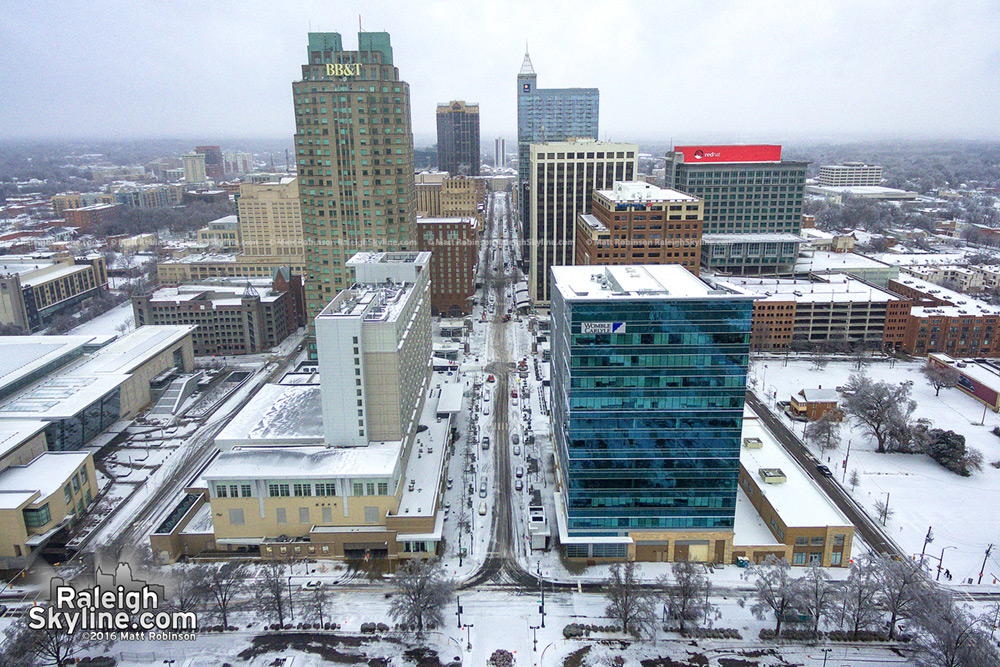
x,y
639,223
454,247
942,320
231,318
89,217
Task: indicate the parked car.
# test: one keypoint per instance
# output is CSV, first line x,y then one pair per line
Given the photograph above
x,y
517,450
486,442
519,473
490,378
515,438
482,490
482,508
518,485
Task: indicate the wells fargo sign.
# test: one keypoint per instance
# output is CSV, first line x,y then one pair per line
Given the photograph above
x,y
343,69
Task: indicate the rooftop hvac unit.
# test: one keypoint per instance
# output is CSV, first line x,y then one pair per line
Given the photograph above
x,y
772,475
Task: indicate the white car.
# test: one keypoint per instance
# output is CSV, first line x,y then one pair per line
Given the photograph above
x,y
518,485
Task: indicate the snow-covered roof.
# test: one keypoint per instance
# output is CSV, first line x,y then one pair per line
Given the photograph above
x,y
304,462
451,398
820,395
126,354
919,259
14,432
40,278
278,414
426,467
60,396
762,237
661,281
214,294
839,289
46,474
985,373
25,355
799,501
834,261
958,304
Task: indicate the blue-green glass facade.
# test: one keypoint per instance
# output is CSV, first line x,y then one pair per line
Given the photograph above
x,y
647,423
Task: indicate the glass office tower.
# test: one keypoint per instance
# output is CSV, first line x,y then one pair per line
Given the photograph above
x,y
649,369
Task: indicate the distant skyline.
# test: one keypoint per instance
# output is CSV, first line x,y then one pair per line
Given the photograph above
x,y
727,71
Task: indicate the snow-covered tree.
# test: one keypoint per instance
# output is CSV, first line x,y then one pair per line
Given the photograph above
x,y
687,596
271,592
314,604
940,377
817,595
948,635
902,584
879,408
775,591
220,585
421,594
628,603
854,479
824,432
47,647
859,597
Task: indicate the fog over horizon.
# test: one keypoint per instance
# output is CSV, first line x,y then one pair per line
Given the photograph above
x,y
712,71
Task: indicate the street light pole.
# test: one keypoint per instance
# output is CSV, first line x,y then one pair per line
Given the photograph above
x,y
941,563
927,540
542,589
468,636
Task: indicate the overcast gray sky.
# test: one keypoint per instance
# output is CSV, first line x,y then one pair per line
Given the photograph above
x,y
684,70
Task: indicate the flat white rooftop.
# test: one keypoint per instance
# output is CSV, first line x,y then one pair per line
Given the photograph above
x,y
819,260
588,283
763,237
749,529
278,414
25,355
840,289
126,354
15,431
640,191
304,462
46,474
961,304
799,501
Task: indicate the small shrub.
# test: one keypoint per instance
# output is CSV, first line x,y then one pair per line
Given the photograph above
x,y
995,464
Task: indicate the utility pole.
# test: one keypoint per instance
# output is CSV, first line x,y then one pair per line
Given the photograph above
x,y
846,458
541,608
534,631
989,549
458,613
928,539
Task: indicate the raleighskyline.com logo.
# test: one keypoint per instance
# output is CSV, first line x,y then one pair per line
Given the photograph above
x,y
117,608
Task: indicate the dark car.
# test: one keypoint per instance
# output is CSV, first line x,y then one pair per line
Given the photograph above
x,y
823,470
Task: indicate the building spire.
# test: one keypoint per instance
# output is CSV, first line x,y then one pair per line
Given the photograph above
x,y
526,67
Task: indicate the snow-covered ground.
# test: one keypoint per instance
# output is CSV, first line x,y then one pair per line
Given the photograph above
x,y
963,511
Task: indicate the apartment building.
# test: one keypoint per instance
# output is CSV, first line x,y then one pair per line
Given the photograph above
x,y
849,174
945,321
221,233
34,289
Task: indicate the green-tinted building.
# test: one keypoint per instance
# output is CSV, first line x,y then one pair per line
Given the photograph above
x,y
753,204
354,151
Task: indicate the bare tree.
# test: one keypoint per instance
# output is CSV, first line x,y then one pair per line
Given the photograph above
x,y
859,597
184,590
860,356
902,586
315,603
884,511
687,598
940,377
422,592
879,408
819,363
220,585
824,432
271,592
854,478
48,647
628,603
948,635
774,590
817,595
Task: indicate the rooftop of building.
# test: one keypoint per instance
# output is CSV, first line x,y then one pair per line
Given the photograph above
x,y
862,190
799,500
40,278
371,302
819,395
46,474
277,414
919,259
304,462
849,165
760,237
821,260
388,257
749,529
960,304
836,287
668,281
205,257
592,222
639,191
22,264
227,221
15,432
94,207
472,222
577,143
60,379
218,295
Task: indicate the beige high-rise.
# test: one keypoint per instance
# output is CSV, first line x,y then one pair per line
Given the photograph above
x,y
270,220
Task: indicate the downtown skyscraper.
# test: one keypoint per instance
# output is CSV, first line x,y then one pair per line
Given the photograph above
x,y
548,114
458,138
354,153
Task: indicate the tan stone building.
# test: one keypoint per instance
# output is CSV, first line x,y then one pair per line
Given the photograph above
x,y
34,289
270,220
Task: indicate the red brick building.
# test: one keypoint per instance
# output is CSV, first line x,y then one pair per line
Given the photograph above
x,y
89,217
948,322
454,247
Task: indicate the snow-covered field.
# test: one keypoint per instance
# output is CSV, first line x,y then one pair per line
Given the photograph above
x,y
963,511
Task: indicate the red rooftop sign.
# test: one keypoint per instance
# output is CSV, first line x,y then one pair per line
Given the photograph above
x,y
695,154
